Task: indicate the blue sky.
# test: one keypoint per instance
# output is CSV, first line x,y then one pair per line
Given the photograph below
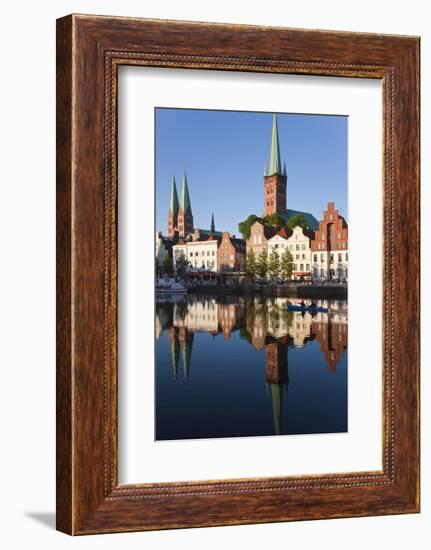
x,y
224,154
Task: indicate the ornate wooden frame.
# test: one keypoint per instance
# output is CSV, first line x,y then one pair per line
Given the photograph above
x,y
89,51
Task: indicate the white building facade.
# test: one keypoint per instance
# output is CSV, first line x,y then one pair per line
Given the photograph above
x,y
201,255
297,242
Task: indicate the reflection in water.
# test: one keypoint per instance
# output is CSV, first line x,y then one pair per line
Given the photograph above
x,y
211,400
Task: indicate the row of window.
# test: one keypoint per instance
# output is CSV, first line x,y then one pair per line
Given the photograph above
x,y
283,246
339,245
203,253
331,257
300,267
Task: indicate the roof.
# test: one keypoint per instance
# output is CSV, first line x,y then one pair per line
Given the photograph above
x,y
309,218
238,244
269,230
185,203
275,159
208,233
173,204
285,233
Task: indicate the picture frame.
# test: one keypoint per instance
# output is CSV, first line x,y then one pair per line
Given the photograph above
x,y
89,51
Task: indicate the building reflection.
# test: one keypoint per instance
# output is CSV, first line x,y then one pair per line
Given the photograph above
x,y
265,323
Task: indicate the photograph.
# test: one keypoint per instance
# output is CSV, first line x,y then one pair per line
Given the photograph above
x,y
251,274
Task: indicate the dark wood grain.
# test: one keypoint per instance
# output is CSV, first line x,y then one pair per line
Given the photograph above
x,y
90,49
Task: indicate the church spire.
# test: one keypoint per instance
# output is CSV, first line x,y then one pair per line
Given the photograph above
x,y
173,203
275,160
185,197
212,223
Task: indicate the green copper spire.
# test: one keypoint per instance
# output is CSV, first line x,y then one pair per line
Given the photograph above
x,y
275,161
212,223
173,204
284,170
265,171
185,197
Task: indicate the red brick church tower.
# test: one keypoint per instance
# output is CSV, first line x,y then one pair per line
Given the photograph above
x,y
275,179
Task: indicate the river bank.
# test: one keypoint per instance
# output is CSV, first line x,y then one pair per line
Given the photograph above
x,y
291,290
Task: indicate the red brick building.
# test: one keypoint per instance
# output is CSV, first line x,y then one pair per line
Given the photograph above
x,y
329,248
231,253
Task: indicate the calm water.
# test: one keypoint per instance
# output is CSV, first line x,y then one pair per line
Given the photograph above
x,y
231,367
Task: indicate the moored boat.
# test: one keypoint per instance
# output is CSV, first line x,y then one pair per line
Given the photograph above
x,y
170,286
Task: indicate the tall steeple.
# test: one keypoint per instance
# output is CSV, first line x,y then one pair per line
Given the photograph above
x,y
275,160
173,210
275,179
185,197
185,216
212,223
173,203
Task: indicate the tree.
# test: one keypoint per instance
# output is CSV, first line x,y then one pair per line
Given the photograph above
x,y
244,227
275,219
168,265
262,265
297,219
182,264
250,265
158,267
274,264
286,265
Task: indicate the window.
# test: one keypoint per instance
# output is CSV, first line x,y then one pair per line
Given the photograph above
x,y
303,256
339,257
213,252
276,246
301,267
297,247
322,257
347,257
323,236
303,246
297,257
338,235
307,267
331,217
332,258
315,258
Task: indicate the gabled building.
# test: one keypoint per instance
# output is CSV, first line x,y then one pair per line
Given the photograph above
x,y
260,233
231,253
329,247
297,242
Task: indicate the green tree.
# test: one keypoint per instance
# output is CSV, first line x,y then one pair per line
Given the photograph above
x,y
297,219
274,264
244,227
262,265
250,264
168,265
275,219
158,268
286,265
182,264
